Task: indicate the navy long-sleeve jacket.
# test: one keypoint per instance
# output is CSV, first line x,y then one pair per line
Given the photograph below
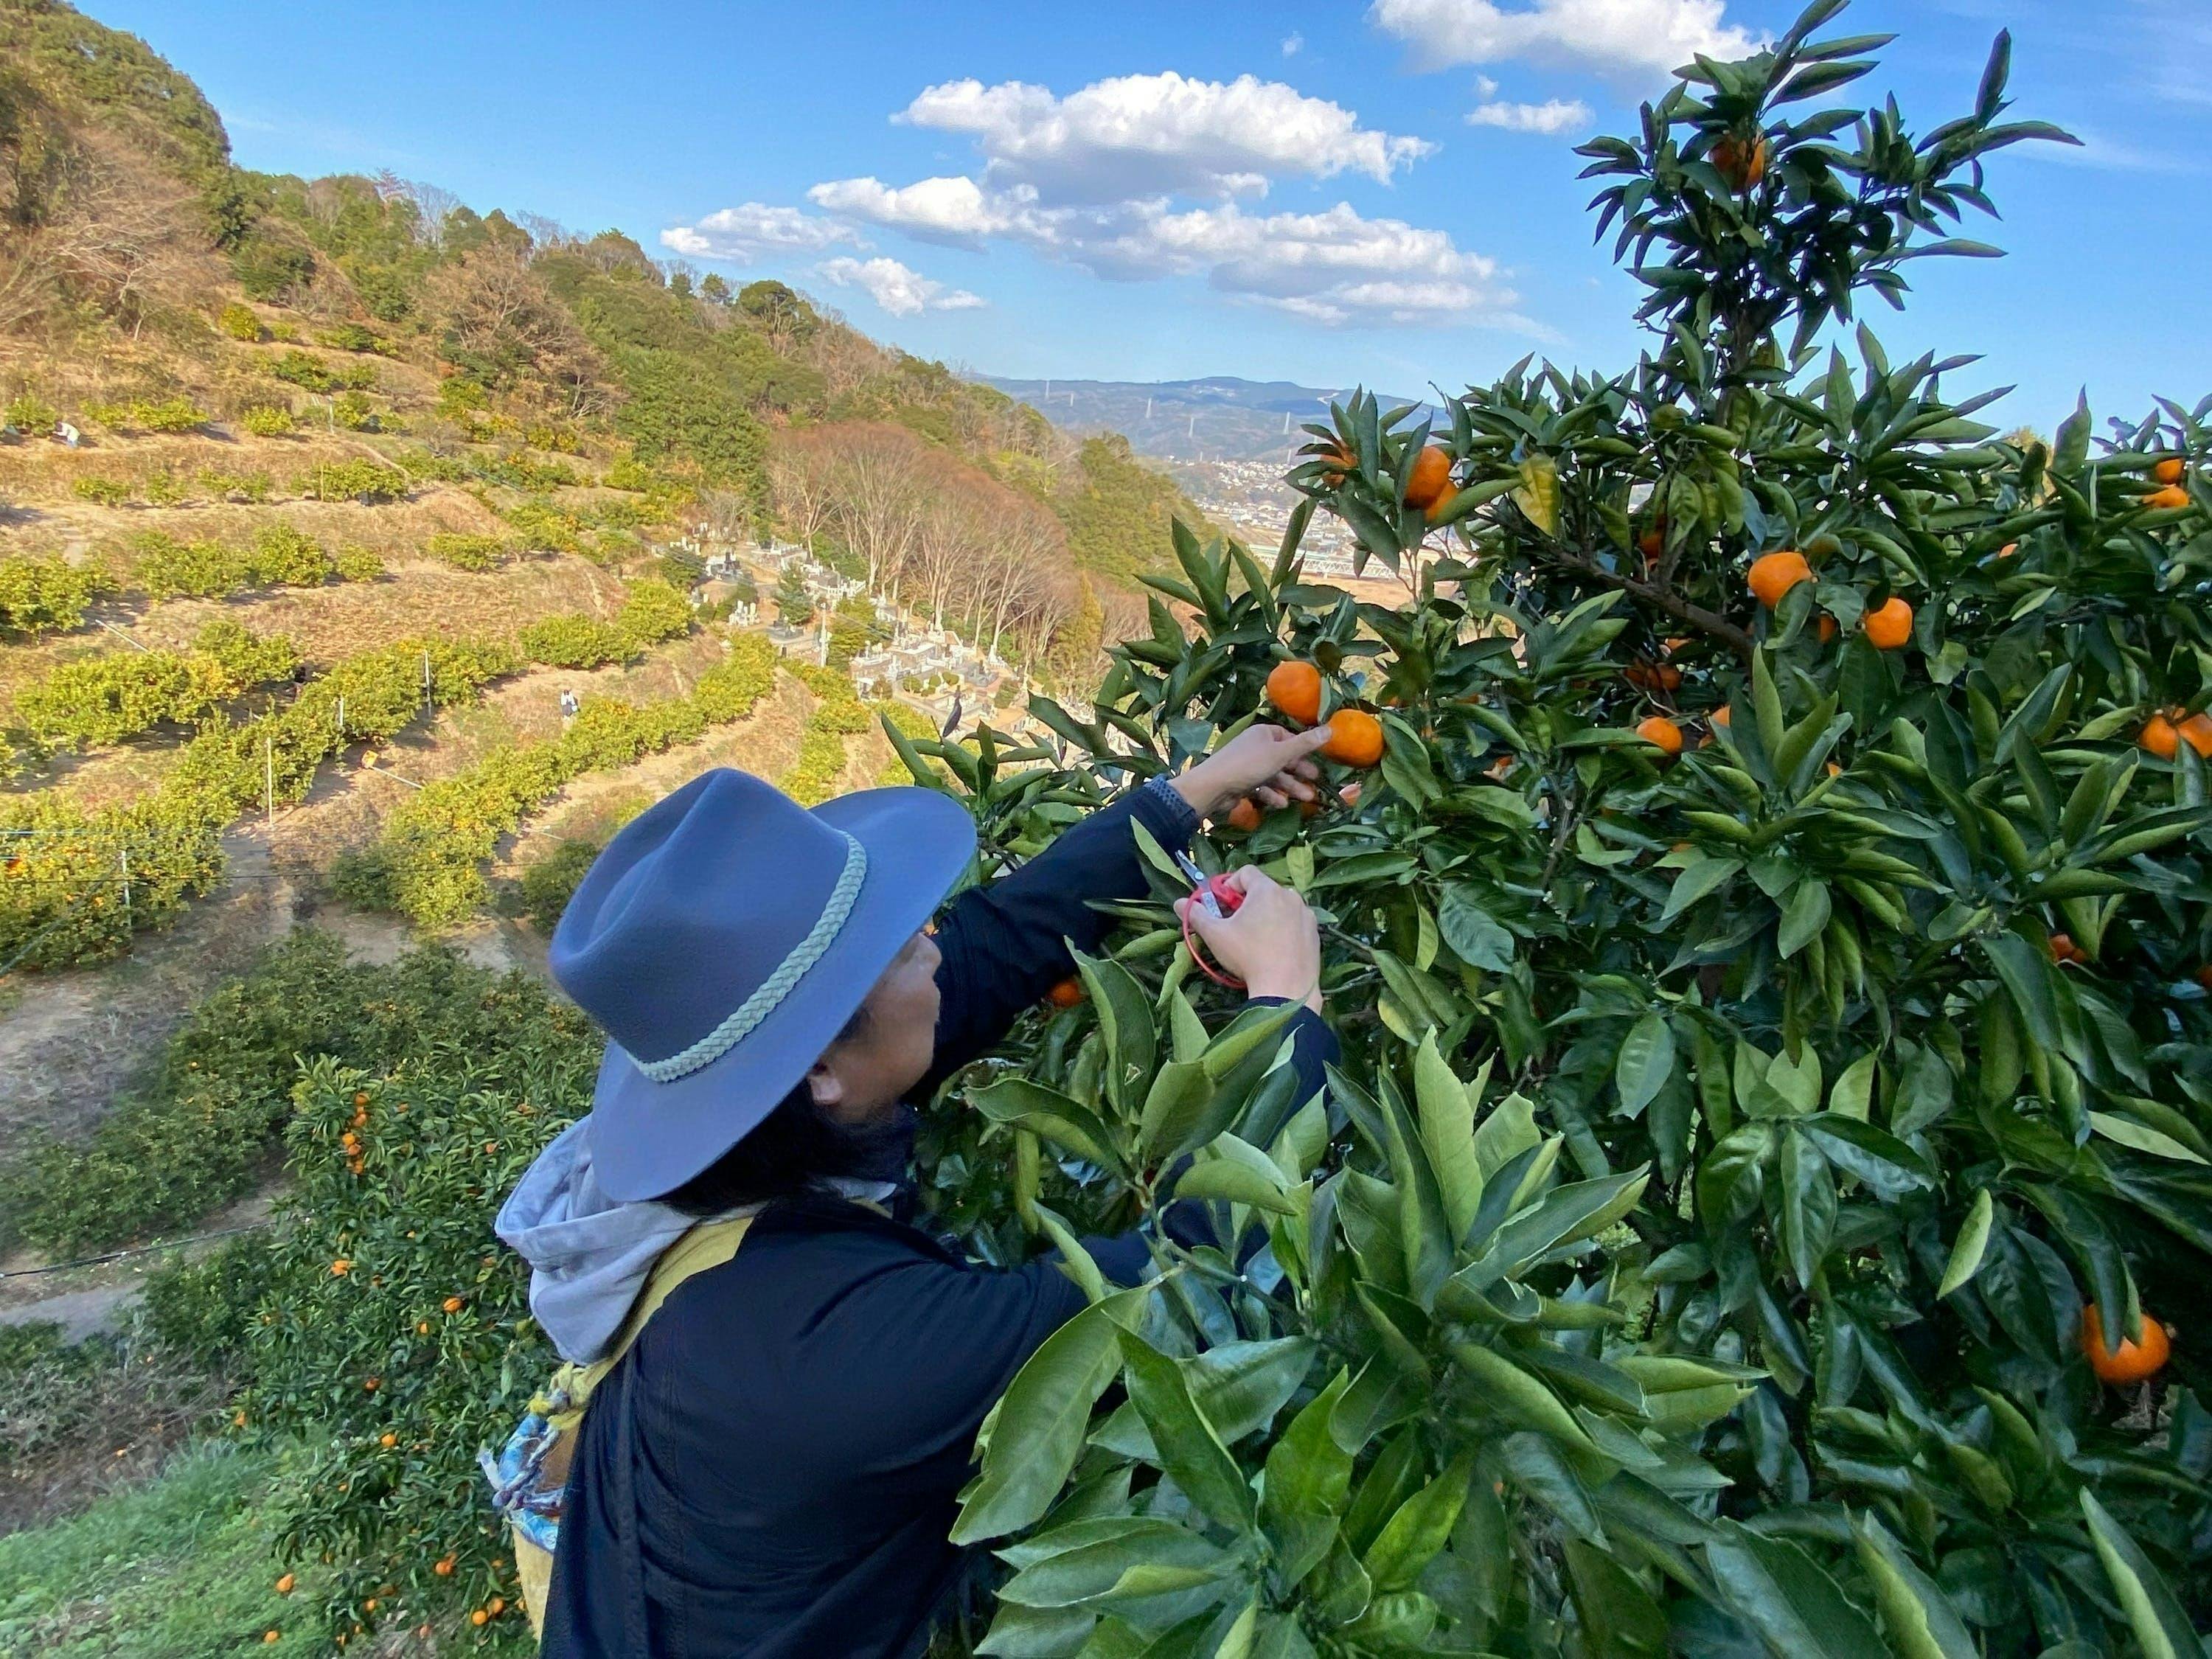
x,y
773,1464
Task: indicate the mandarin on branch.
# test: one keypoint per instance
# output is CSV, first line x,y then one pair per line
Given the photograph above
x,y
1773,574
1294,687
1355,738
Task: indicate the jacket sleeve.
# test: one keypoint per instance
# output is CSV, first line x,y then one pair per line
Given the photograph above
x,y
1005,945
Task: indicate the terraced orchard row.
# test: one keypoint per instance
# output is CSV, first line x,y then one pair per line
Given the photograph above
x,y
80,881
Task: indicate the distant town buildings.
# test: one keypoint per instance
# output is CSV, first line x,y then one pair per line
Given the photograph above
x,y
1250,500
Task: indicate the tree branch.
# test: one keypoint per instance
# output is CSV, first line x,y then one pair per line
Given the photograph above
x,y
1659,598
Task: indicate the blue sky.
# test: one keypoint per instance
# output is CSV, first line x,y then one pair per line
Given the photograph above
x,y
1100,195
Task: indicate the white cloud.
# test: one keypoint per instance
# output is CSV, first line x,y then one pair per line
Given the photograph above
x,y
755,230
1293,44
1484,87
936,210
898,289
1630,40
1553,116
1151,135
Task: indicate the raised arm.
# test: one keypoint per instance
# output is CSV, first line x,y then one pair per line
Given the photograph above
x,y
1004,945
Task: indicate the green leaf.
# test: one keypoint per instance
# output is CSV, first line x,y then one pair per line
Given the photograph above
x,y
1885,1164
1037,1428
1646,1061
1240,1173
2155,1613
1508,1130
2128,1133
1968,1249
1088,1563
1067,1122
1918,1618
1077,1259
1475,935
1765,701
1778,1588
1808,1206
1173,1110
1807,915
1307,1479
1412,1538
1446,1110
1696,881
1189,1450
1853,1095
1503,1388
1125,1019
1563,1217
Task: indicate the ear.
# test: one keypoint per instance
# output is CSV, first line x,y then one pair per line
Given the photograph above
x,y
826,1086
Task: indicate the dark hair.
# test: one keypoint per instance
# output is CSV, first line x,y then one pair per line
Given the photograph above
x,y
792,1150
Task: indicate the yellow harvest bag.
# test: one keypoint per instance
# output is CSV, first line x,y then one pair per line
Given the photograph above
x,y
531,1474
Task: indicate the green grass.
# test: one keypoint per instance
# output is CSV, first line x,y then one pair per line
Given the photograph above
x,y
179,1568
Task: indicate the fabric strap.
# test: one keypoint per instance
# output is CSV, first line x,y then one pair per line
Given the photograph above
x,y
777,985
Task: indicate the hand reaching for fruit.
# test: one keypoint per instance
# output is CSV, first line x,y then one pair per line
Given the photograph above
x,y
1264,761
1271,942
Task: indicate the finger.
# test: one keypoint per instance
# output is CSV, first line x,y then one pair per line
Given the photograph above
x,y
1250,879
1272,798
1306,768
1312,738
1288,784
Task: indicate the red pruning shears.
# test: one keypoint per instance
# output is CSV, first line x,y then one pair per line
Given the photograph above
x,y
1219,899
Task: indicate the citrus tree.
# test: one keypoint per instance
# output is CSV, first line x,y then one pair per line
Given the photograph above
x,y
1768,1155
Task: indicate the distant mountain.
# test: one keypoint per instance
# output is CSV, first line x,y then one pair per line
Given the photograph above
x,y
1218,418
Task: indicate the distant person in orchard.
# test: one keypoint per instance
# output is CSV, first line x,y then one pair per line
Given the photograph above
x,y
783,1373
569,704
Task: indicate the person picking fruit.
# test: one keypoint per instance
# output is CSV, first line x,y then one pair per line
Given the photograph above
x,y
775,1378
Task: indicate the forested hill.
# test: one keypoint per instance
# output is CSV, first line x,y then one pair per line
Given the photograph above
x,y
126,230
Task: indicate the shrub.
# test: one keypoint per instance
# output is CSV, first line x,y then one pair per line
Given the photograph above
x,y
399,1172
26,412
545,528
468,552
355,564
353,412
267,420
353,336
201,1126
305,369
838,714
250,487
573,642
1692,1252
167,489
419,463
278,555
548,882
627,473
102,492
170,415
46,595
654,610
238,322
102,700
354,480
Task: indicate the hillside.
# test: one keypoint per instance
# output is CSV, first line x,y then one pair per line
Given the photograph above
x,y
1216,418
318,496
126,217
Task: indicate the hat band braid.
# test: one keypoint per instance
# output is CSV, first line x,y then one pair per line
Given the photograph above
x,y
777,985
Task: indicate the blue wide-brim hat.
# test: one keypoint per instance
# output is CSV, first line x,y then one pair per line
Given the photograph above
x,y
723,939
